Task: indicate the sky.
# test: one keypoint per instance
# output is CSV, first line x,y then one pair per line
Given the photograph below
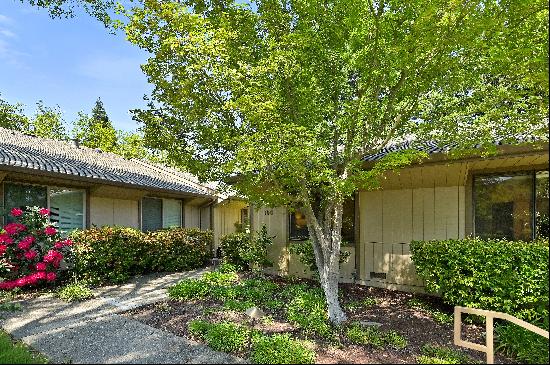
x,y
68,62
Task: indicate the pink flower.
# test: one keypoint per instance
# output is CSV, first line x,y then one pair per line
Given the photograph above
x,y
50,231
7,285
41,275
13,228
29,239
41,266
16,212
50,276
44,211
21,282
31,254
24,245
68,242
58,245
32,279
4,238
3,249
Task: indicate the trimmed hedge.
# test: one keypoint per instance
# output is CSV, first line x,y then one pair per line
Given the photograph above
x,y
509,277
246,251
114,254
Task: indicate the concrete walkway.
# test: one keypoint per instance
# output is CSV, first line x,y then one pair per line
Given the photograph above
x,y
91,332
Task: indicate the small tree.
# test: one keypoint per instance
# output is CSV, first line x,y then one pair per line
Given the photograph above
x,y
290,95
48,122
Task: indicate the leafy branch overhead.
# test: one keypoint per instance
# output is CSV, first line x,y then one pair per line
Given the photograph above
x,y
291,95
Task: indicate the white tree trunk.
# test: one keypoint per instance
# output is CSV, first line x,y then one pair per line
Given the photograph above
x,y
326,246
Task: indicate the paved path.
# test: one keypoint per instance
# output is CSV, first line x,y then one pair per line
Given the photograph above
x,y
92,332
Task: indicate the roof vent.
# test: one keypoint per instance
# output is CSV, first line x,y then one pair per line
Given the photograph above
x,y
75,142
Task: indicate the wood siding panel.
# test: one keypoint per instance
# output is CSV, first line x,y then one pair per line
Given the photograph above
x,y
126,213
429,213
371,216
418,214
101,211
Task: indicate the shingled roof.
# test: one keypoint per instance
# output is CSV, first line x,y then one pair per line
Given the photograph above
x,y
432,147
66,158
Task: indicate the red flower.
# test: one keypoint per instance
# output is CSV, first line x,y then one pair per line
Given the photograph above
x,y
58,245
16,212
41,275
50,231
31,254
4,238
13,228
51,276
21,282
41,266
44,211
24,245
68,242
7,285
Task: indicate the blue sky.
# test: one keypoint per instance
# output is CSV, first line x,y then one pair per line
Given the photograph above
x,y
69,62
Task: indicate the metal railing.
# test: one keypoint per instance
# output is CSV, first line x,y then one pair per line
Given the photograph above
x,y
488,348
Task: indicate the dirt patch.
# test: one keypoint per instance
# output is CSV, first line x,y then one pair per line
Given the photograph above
x,y
392,310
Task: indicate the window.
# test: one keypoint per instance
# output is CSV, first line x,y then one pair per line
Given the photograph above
x,y
67,208
160,213
66,205
171,213
542,229
151,214
299,231
23,195
298,227
511,206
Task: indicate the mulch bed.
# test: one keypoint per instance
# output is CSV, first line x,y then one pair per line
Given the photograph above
x,y
391,310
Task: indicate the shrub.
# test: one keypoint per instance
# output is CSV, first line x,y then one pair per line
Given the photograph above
x,y
75,292
524,345
246,252
280,349
433,354
31,249
304,250
178,249
510,277
189,289
114,254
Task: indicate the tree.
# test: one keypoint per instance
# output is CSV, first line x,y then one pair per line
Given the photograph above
x,y
48,122
12,116
94,134
99,114
131,145
290,95
99,9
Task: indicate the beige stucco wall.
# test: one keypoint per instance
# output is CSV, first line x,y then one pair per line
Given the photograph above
x,y
191,216
225,215
109,211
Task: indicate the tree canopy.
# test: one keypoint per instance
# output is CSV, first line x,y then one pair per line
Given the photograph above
x,y
290,95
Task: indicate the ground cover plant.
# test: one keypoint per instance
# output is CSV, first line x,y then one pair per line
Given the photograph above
x,y
383,328
12,352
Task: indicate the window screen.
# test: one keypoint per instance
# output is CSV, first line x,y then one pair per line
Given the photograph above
x,y
67,208
151,214
171,210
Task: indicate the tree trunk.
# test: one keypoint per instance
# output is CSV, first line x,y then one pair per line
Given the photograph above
x,y
326,246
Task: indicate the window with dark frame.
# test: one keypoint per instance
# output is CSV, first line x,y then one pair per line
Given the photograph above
x,y
298,230
512,206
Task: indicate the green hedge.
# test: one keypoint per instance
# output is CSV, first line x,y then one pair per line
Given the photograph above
x,y
114,254
510,277
246,251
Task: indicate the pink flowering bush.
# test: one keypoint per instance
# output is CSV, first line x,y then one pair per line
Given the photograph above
x,y
31,249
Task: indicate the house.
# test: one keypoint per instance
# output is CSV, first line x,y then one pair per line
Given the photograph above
x,y
505,195
86,187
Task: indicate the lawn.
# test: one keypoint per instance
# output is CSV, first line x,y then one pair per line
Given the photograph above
x,y
12,352
384,326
